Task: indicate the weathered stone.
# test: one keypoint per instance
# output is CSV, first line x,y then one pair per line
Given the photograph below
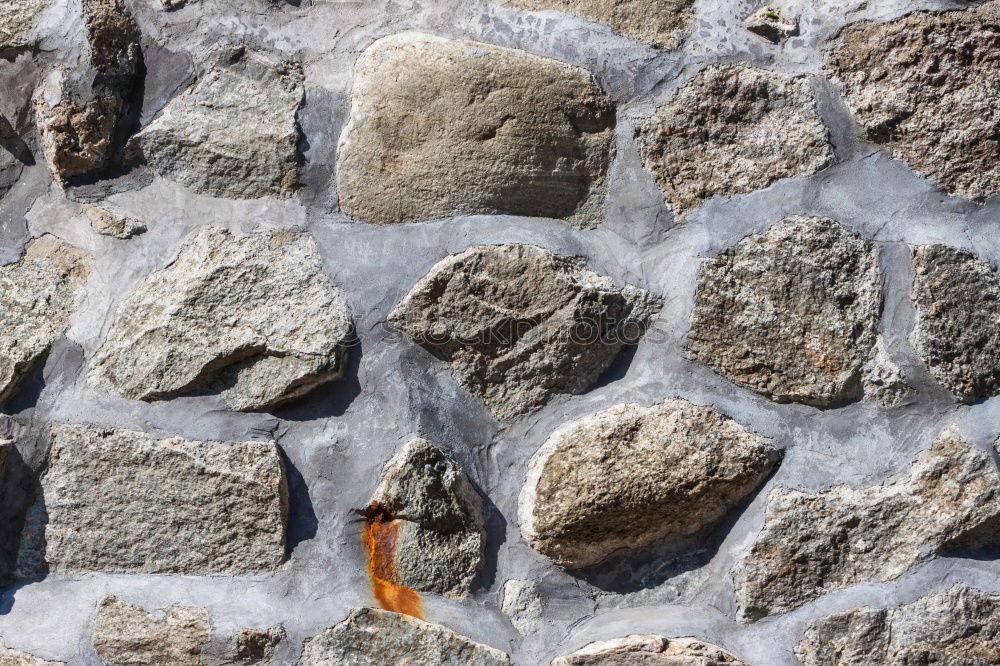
x,y
660,23
126,635
426,523
111,224
523,605
955,627
731,130
371,637
769,24
234,132
9,657
39,292
256,646
251,316
816,542
16,17
650,650
120,500
441,128
956,332
792,313
927,86
632,475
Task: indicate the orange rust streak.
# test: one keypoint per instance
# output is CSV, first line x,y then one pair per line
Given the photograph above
x,y
379,538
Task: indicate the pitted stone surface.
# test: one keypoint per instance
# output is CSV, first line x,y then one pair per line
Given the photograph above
x,y
233,133
371,637
441,128
111,224
519,324
126,635
9,657
956,332
816,542
927,86
439,520
731,130
650,650
251,316
126,501
631,475
257,646
956,627
792,313
16,18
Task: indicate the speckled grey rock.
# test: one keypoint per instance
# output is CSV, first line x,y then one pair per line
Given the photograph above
x,y
234,132
9,657
16,17
792,313
257,646
440,525
519,324
441,128
251,316
371,637
927,86
112,224
731,130
126,635
39,293
956,331
120,500
955,627
631,475
650,650
523,605
816,542
767,22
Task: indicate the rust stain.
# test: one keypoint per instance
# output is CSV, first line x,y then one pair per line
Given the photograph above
x,y
379,538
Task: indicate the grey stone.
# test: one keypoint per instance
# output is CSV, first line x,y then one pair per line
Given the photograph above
x,y
816,542
16,18
771,25
257,646
126,635
234,132
9,657
112,224
519,324
126,501
650,650
731,130
441,128
631,475
436,521
252,316
955,627
523,605
927,86
371,637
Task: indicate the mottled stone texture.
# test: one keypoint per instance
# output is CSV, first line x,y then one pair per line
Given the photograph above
x,y
9,657
792,313
660,23
253,317
731,130
370,637
523,605
650,650
256,646
111,224
234,132
927,86
956,627
16,17
817,542
519,324
630,475
441,128
120,500
956,331
126,635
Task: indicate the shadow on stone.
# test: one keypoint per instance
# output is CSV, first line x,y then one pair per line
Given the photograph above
x,y
28,390
14,144
22,516
332,399
302,521
496,536
618,368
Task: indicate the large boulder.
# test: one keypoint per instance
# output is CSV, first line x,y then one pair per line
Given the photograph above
x,y
650,650
441,128
126,635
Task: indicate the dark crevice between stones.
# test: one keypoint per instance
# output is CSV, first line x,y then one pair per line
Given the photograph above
x,y
302,521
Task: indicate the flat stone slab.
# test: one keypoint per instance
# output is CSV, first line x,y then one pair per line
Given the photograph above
x,y
650,650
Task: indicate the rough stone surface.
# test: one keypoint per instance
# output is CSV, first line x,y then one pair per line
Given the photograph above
x,y
371,637
792,313
770,24
256,646
731,130
927,86
956,627
120,500
16,18
649,650
39,292
660,23
126,635
519,324
523,605
234,132
816,542
9,657
956,332
437,521
631,475
111,224
251,316
441,128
